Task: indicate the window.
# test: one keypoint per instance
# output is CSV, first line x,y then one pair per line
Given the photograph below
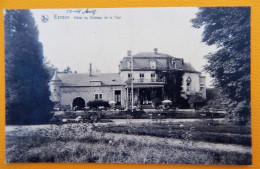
x,y
98,96
141,75
118,97
153,77
153,64
174,64
202,80
129,76
128,64
188,82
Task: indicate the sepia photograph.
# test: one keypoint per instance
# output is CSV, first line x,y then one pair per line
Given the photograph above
x,y
167,85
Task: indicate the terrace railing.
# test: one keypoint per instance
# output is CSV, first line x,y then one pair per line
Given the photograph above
x,y
143,80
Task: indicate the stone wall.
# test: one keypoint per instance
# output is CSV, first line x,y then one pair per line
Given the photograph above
x,y
68,94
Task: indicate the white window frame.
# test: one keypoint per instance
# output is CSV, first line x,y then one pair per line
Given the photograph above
x,y
98,94
141,78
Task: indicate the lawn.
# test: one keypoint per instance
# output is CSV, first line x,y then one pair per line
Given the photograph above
x,y
204,130
83,143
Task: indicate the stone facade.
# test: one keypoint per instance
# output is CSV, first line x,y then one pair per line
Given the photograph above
x,y
68,94
68,87
145,66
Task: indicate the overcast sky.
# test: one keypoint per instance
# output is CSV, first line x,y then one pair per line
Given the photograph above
x,y
104,42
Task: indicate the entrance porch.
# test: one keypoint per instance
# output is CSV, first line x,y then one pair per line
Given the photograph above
x,y
145,96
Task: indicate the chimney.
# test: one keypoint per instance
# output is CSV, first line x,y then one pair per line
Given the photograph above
x,y
155,51
129,53
90,69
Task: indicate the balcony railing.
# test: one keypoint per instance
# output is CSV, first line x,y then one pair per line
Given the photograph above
x,y
143,80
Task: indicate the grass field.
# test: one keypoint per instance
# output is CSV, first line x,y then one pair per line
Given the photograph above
x,y
205,130
83,143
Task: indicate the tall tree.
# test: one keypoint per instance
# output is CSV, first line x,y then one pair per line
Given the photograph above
x,y
229,29
214,100
27,92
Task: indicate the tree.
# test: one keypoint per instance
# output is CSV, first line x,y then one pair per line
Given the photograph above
x,y
173,85
229,29
67,70
27,91
196,101
214,100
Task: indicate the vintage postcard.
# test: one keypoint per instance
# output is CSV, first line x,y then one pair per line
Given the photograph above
x,y
167,85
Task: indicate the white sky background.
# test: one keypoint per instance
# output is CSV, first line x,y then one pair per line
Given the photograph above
x,y
76,43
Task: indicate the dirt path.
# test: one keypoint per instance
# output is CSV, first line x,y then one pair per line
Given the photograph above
x,y
124,121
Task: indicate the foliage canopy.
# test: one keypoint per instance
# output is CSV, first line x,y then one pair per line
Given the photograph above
x,y
229,29
27,91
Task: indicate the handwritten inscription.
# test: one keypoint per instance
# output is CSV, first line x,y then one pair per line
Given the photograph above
x,y
81,11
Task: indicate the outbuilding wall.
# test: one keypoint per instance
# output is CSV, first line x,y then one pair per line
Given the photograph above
x,y
68,94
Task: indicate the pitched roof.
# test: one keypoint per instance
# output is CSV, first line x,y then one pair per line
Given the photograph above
x,y
83,79
55,77
151,55
188,67
163,62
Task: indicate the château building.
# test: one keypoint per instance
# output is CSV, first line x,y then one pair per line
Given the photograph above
x,y
76,89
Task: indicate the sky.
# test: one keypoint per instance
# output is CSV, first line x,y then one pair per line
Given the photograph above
x,y
102,36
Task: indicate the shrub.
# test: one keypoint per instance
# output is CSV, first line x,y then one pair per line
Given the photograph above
x,y
96,103
156,102
181,103
196,101
65,107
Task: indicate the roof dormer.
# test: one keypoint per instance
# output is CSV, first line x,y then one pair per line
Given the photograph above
x,y
153,64
174,63
95,82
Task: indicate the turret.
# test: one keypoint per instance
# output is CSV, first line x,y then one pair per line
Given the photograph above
x,y
54,85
